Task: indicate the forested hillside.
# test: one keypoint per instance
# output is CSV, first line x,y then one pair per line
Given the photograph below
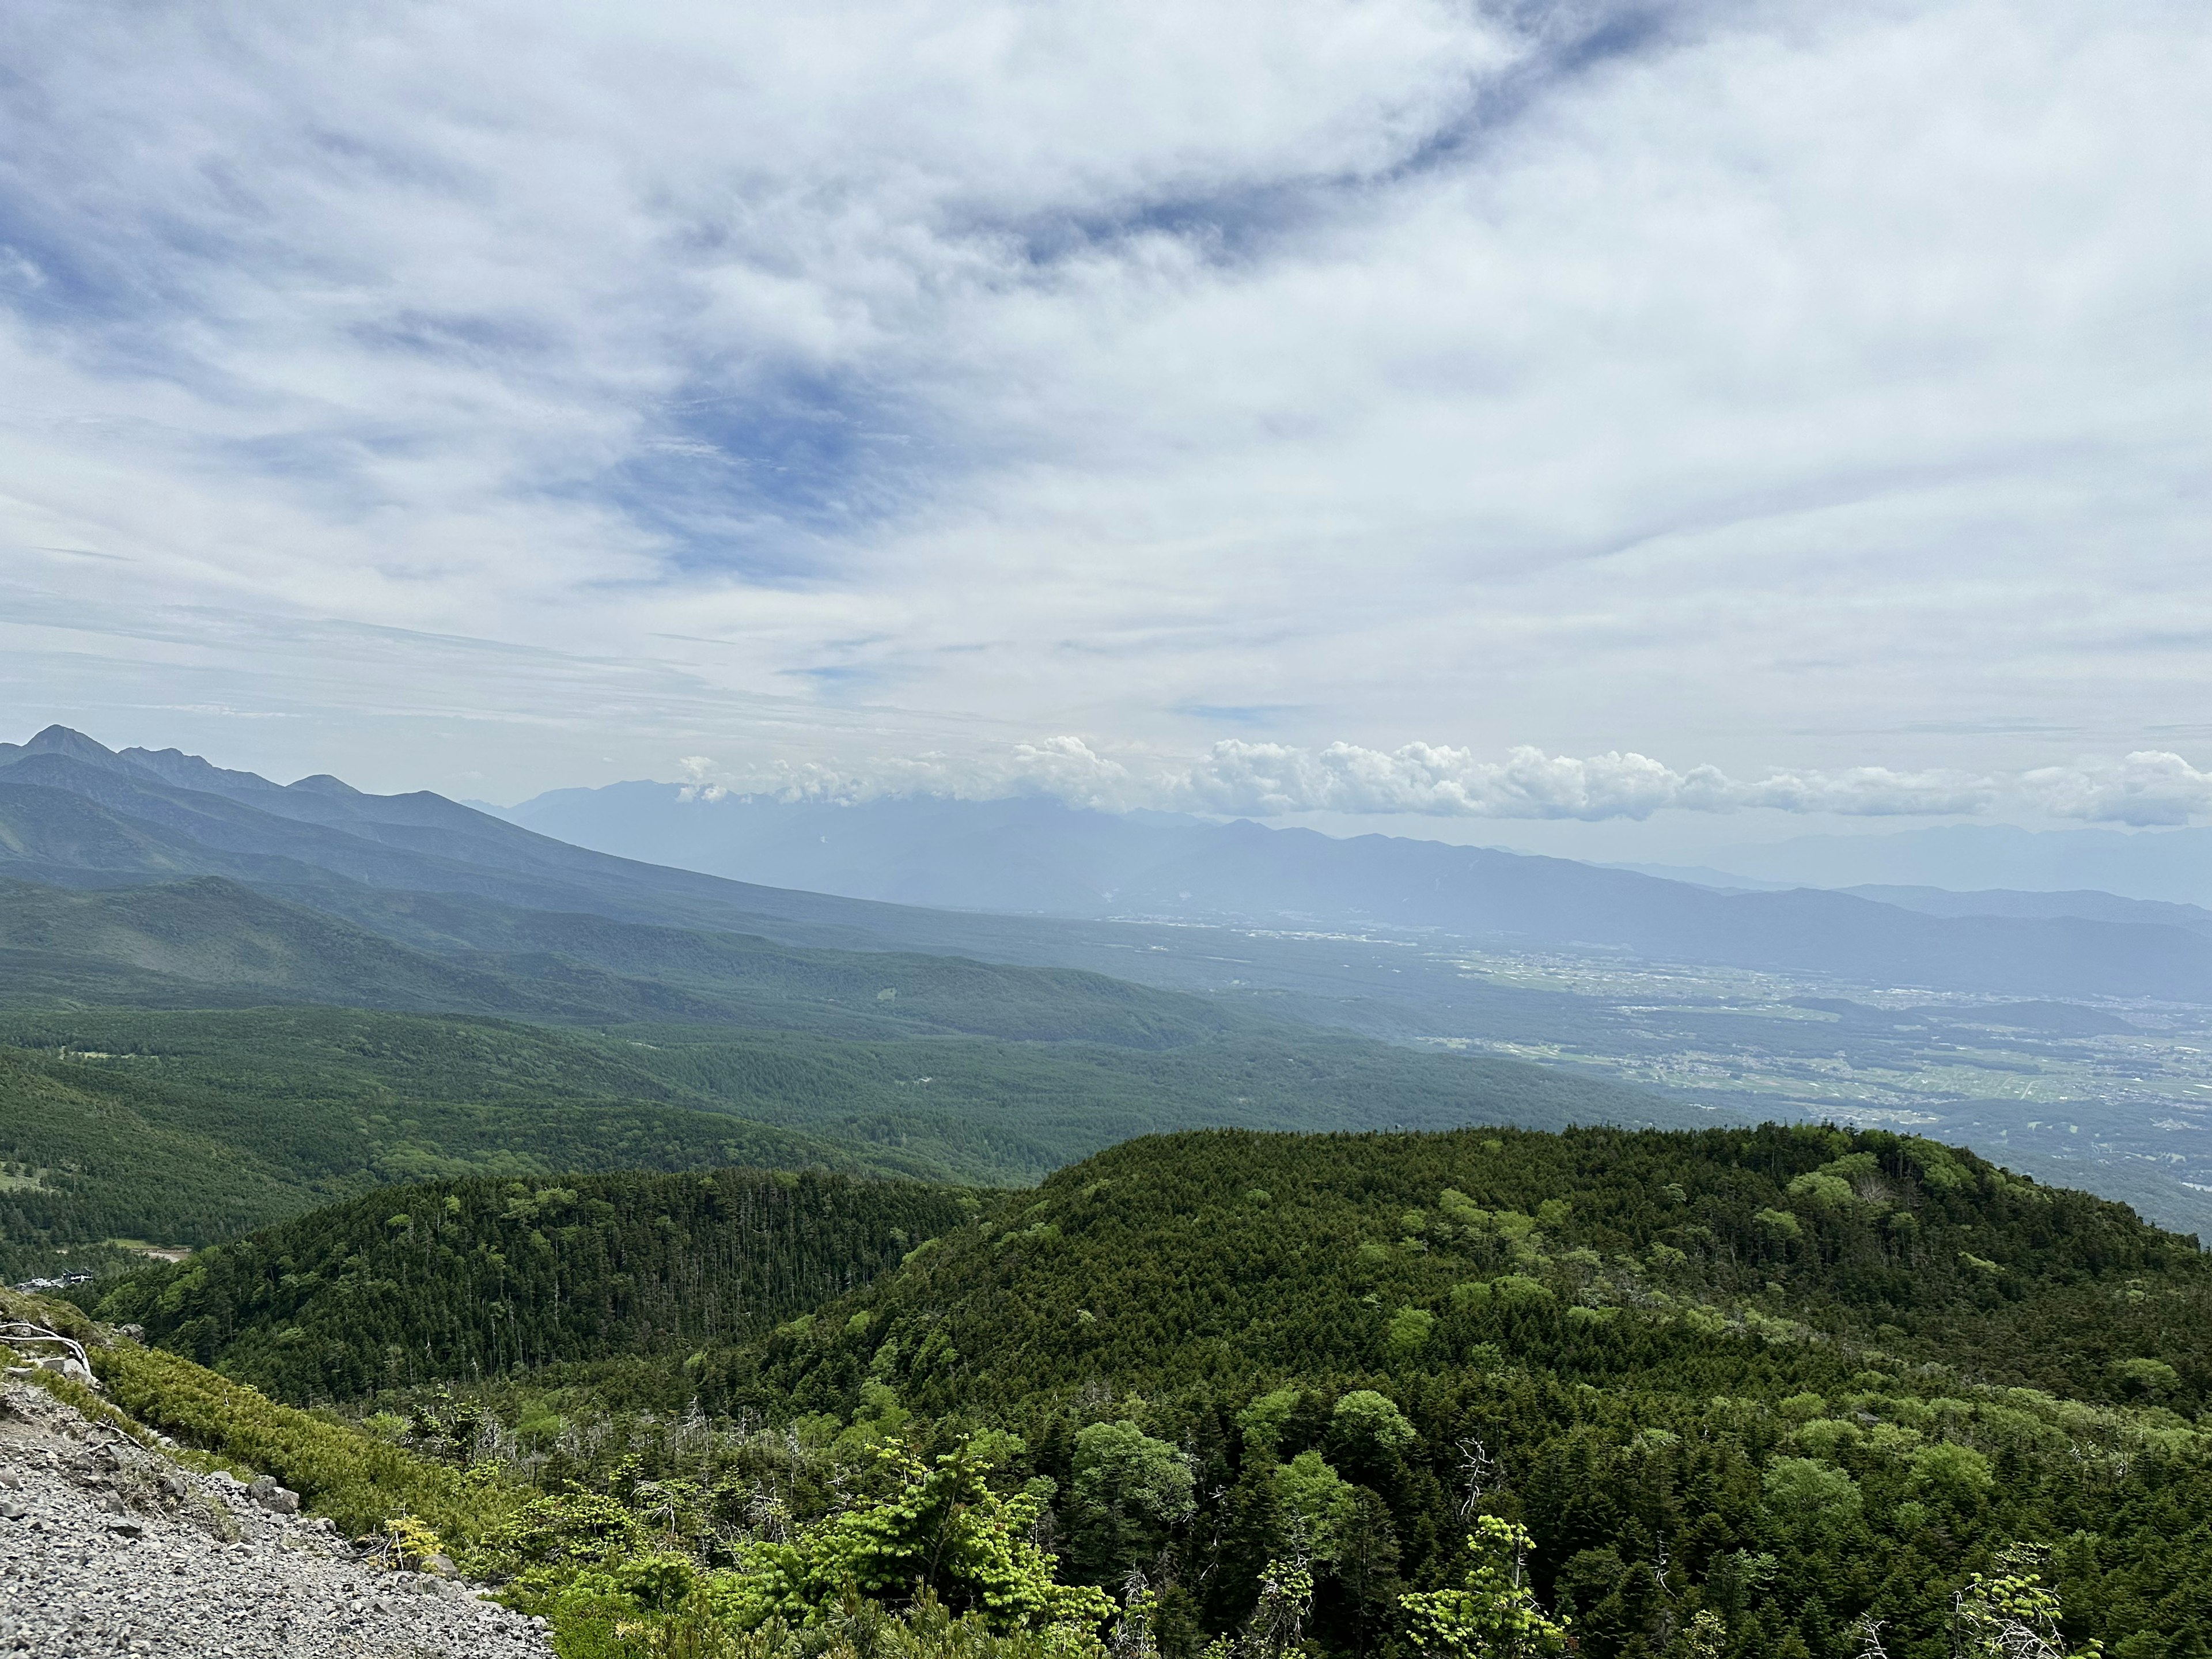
x,y
177,1127
479,1278
1227,1253
213,941
1746,1390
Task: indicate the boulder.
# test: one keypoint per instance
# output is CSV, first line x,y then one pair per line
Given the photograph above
x,y
279,1500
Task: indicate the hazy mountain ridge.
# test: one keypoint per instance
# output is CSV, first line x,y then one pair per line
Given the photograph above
x,y
122,818
1040,856
2169,865
438,953
2090,906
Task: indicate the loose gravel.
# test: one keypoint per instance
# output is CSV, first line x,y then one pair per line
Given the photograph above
x,y
109,1548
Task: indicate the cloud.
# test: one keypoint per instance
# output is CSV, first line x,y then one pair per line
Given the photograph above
x,y
1065,767
2150,787
1274,780
1726,379
1271,779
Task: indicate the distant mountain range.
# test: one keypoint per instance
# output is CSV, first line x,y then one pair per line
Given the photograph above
x,y
1042,858
166,927
2011,902
2173,866
999,881
1082,985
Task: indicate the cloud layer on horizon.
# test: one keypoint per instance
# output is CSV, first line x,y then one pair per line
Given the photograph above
x,y
1824,392
1269,781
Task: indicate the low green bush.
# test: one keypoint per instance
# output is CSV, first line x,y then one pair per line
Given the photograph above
x,y
361,1482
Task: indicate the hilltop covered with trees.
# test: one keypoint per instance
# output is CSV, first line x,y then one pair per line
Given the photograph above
x,y
1738,1392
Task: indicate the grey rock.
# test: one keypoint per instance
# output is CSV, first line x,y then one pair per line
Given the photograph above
x,y
264,1490
90,1584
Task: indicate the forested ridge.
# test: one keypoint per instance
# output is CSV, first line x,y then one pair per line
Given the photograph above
x,y
476,1278
1746,1391
212,941
186,1127
1220,1252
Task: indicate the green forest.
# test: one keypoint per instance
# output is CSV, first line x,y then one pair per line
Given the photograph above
x,y
186,1127
1743,1392
746,1298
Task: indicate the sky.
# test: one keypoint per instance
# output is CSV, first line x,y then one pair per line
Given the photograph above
x,y
1498,420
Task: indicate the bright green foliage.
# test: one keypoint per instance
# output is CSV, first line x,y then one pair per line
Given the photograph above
x,y
2011,1614
1805,1491
1372,1424
1129,1489
2147,1378
1492,1613
1318,1507
614,1627
341,1472
1955,1476
941,1531
1262,1420
1706,1638
1410,1328
547,1541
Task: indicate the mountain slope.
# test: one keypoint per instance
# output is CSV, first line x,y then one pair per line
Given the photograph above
x,y
72,812
127,817
465,1278
2010,902
1789,1378
213,1124
212,939
189,1127
1759,1384
1034,855
1261,1255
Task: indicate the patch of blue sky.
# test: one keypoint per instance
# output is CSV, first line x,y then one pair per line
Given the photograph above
x,y
768,482
471,336
1239,225
1243,223
1575,42
55,280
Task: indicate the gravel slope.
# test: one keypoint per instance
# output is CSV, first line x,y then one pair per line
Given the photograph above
x,y
106,1548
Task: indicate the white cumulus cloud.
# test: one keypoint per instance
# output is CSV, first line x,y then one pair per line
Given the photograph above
x,y
2150,787
1271,779
1239,778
